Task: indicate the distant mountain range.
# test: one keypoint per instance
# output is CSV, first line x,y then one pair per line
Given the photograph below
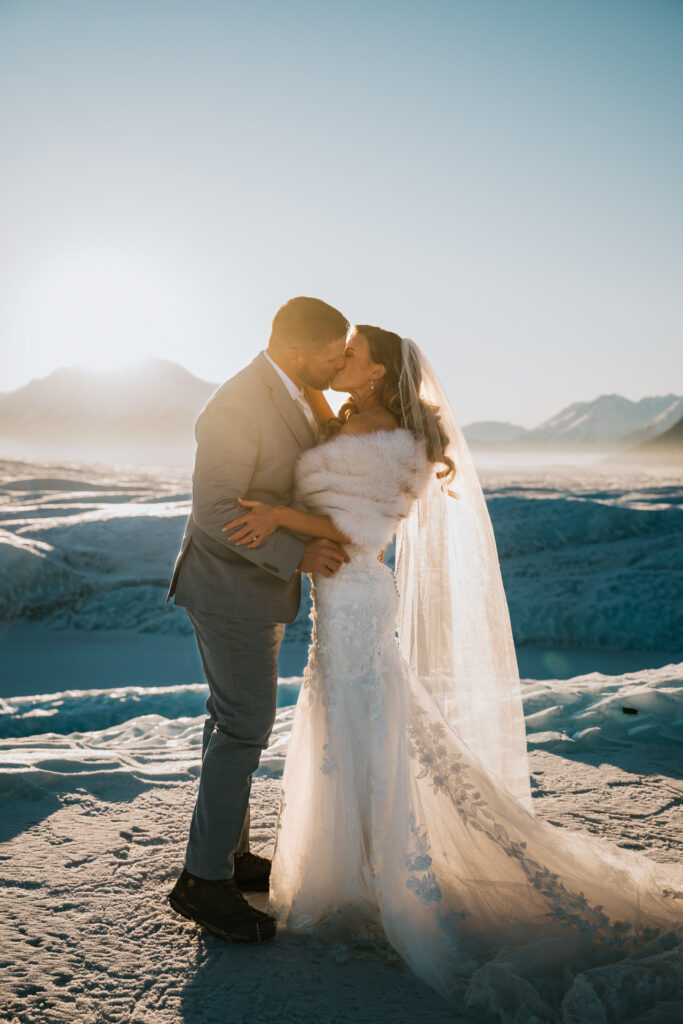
x,y
607,421
158,401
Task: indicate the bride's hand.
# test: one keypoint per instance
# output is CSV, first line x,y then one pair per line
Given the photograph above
x,y
255,525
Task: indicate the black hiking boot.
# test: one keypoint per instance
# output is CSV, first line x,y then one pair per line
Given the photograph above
x,y
221,908
252,873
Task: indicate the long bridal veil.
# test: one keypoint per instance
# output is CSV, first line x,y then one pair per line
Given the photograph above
x,y
453,624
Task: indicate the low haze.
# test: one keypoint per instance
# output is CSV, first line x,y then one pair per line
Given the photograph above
x,y
499,181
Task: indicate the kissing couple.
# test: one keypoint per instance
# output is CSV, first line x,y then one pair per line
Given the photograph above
x,y
406,815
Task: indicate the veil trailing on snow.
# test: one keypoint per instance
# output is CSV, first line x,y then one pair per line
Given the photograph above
x,y
453,623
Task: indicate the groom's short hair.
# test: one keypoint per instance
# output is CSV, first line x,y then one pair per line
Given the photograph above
x,y
306,323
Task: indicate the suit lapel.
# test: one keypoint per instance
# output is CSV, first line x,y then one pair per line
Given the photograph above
x,y
282,400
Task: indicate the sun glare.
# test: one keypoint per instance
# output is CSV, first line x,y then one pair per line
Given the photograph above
x,y
104,311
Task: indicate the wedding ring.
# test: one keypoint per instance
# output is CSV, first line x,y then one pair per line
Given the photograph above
x,y
254,538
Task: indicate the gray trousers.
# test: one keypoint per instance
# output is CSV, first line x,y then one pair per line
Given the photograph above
x,y
239,658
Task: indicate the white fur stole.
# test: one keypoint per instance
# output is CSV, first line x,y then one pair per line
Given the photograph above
x,y
366,483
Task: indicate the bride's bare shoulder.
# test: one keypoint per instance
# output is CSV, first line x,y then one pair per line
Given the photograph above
x,y
369,422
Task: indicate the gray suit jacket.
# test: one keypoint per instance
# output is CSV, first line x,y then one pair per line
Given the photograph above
x,y
249,436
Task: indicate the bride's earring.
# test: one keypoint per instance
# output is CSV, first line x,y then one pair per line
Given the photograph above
x,y
372,385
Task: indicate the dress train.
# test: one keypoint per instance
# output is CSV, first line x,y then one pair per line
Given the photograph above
x,y
390,827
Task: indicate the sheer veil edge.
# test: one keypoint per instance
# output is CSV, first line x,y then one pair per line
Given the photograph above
x,y
453,623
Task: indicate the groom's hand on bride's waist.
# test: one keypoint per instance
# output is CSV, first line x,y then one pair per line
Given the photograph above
x,y
323,557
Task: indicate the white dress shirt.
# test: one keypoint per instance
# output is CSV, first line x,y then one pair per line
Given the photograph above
x,y
294,391
297,394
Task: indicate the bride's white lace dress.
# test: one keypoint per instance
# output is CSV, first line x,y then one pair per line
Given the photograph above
x,y
389,824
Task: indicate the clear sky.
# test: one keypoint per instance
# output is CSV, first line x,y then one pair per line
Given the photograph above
x,y
501,180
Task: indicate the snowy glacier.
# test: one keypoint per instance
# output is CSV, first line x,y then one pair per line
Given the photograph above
x,y
590,559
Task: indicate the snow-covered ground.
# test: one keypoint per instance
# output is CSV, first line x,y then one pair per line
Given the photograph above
x,y
98,776
97,789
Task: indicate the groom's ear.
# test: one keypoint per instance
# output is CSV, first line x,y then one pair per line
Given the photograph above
x,y
296,357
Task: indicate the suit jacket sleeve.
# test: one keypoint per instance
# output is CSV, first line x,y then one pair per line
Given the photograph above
x,y
227,450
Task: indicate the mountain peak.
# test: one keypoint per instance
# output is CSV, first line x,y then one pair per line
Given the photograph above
x,y
608,419
154,397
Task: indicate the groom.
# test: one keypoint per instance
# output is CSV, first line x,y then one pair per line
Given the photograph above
x,y
249,436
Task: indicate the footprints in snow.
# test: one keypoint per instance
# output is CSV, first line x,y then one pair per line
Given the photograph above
x,y
140,838
135,837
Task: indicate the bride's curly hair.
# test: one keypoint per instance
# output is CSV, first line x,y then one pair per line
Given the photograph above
x,y
399,393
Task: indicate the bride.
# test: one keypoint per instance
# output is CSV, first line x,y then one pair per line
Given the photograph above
x,y
406,813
